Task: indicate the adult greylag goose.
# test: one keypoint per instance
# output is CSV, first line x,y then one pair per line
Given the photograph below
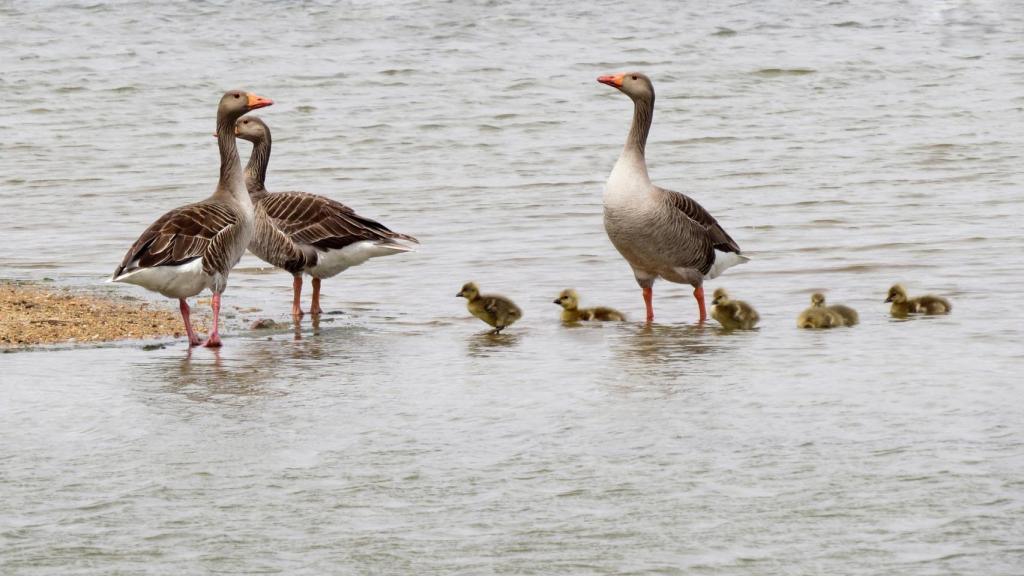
x,y
194,247
659,232
732,314
306,233
497,311
569,300
902,305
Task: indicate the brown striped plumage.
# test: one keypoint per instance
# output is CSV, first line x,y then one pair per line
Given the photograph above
x,y
215,231
298,231
661,233
201,230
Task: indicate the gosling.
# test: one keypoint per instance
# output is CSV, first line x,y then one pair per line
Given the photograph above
x,y
903,306
818,315
848,315
497,311
732,314
569,300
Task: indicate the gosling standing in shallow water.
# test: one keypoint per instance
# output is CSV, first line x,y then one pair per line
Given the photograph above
x,y
732,314
497,311
818,316
569,300
902,306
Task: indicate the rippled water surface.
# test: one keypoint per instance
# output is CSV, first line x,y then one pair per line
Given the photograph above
x,y
846,146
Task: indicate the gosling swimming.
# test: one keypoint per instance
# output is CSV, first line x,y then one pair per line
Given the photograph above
x,y
849,315
569,300
819,316
732,314
902,306
497,311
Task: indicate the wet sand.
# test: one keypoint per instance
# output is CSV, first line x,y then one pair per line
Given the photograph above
x,y
33,314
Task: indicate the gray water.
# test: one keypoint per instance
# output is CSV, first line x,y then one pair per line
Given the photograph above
x,y
846,146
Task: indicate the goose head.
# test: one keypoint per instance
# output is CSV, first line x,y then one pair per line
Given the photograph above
x,y
251,128
897,294
719,297
568,299
470,291
817,299
234,103
633,84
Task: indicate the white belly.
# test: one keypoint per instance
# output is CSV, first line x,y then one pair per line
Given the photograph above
x,y
334,262
181,281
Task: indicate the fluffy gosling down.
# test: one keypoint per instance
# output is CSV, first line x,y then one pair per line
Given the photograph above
x,y
497,311
569,300
821,316
732,314
902,306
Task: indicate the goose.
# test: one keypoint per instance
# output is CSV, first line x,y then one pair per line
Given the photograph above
x,y
732,314
818,316
569,300
497,311
306,233
847,314
194,247
902,306
660,233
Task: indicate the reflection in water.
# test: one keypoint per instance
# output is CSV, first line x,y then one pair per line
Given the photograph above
x,y
205,376
665,350
485,344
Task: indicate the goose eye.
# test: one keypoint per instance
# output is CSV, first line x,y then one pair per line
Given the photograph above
x,y
634,77
245,122
237,95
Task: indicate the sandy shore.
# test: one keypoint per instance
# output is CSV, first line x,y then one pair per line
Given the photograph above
x,y
32,314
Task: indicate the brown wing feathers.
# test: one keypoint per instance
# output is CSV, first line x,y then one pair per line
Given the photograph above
x,y
719,237
182,235
321,222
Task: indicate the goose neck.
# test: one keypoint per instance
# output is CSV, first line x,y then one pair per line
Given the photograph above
x,y
256,169
643,115
231,183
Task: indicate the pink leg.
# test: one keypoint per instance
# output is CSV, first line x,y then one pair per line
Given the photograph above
x,y
193,340
213,340
314,308
698,293
296,293
649,302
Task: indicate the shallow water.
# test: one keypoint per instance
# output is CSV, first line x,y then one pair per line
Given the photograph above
x,y
844,146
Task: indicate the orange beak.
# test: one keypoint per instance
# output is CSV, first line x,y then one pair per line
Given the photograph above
x,y
258,101
614,81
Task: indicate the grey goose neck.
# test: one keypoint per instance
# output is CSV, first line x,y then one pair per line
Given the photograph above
x,y
643,115
256,169
231,184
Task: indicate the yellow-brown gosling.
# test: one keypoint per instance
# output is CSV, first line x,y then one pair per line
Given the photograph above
x,y
498,311
818,316
849,315
732,314
902,306
569,300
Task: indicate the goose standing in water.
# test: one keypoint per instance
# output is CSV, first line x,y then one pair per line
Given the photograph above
x,y
306,233
497,311
194,247
659,232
